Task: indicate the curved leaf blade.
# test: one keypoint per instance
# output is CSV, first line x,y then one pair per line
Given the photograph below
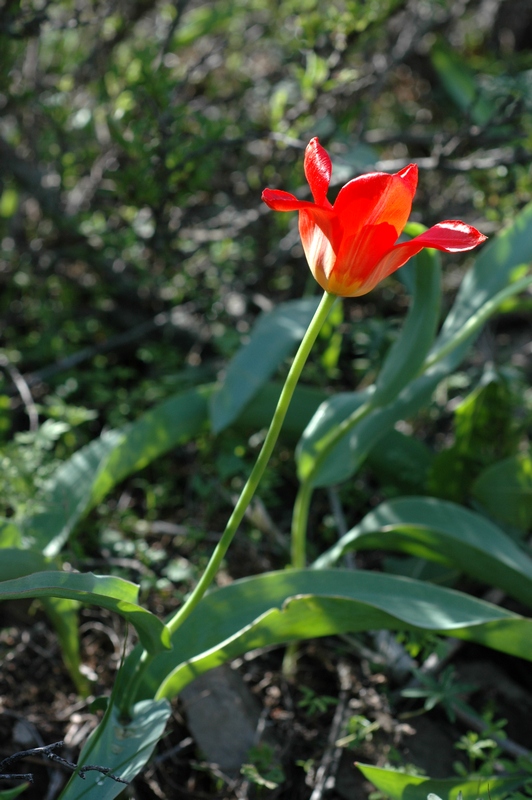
x,y
505,491
124,748
285,606
108,592
400,786
487,283
407,354
445,532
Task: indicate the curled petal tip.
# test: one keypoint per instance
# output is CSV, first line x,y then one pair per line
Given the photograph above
x,y
318,171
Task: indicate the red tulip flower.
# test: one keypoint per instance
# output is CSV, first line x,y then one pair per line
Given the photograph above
x,y
351,246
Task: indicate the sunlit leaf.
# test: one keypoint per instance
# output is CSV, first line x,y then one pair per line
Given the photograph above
x,y
443,532
109,592
123,748
400,786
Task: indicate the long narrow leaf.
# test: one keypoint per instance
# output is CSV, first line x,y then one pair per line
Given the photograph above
x,y
113,593
407,354
285,606
445,532
123,748
490,277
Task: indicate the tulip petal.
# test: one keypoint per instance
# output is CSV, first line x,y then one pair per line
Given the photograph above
x,y
451,236
284,201
359,254
375,198
318,170
318,247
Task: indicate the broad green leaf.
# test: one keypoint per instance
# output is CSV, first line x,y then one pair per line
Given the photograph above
x,y
272,339
460,84
123,748
83,480
179,419
505,491
345,459
259,412
400,786
402,461
443,532
291,605
68,495
407,354
15,563
109,592
10,794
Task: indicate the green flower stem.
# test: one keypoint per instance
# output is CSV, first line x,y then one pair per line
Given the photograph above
x,y
249,489
298,543
304,495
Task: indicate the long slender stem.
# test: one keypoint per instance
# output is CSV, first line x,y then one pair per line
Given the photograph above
x,y
249,489
304,495
298,545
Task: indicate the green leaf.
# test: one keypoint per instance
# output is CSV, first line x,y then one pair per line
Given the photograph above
x,y
9,794
291,605
124,748
344,459
460,83
494,269
15,563
64,616
83,480
272,339
259,412
399,786
408,352
109,592
402,461
443,532
10,534
505,491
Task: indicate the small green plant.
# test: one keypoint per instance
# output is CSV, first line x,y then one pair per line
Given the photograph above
x,y
314,703
359,729
481,751
263,768
442,689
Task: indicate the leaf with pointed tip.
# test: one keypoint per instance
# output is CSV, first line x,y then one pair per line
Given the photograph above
x,y
483,289
123,748
285,606
445,532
